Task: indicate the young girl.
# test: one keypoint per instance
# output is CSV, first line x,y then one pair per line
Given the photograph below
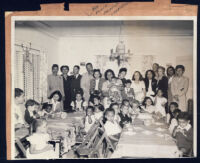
x,y
111,126
174,121
39,146
55,100
160,102
79,104
148,105
172,107
46,110
116,108
96,101
98,112
90,118
124,114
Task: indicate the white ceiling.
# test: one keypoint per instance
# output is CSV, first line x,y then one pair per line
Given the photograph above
x,y
111,28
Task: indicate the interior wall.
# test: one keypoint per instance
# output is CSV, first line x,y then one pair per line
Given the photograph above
x,y
38,40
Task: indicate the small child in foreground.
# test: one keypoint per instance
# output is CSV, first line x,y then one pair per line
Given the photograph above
x,y
174,121
148,105
39,143
89,119
111,126
183,134
124,114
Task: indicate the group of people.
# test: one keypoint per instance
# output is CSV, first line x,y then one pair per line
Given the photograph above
x,y
114,100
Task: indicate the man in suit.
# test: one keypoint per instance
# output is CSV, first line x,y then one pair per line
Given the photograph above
x,y
75,82
67,87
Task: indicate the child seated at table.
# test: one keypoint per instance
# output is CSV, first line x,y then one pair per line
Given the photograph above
x,y
111,126
174,121
172,107
89,119
183,134
46,110
30,114
116,108
124,114
55,100
160,103
98,112
148,105
39,146
79,104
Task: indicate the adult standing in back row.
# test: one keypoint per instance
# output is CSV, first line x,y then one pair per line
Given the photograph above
x,y
54,81
179,87
85,81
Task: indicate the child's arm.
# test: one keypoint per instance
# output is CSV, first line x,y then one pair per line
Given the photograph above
x,y
48,147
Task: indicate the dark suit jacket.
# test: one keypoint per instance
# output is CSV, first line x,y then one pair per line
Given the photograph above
x,y
153,84
75,85
163,85
93,84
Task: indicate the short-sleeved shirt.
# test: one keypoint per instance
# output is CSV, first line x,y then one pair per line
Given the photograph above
x,y
87,124
112,128
39,140
78,104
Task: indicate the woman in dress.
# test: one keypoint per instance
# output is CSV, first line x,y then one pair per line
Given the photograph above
x,y
138,86
96,83
150,83
155,69
170,75
162,81
179,87
111,89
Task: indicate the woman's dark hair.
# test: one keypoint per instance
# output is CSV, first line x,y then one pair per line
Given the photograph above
x,y
127,81
55,65
152,72
140,78
58,93
184,115
77,66
145,99
64,66
170,67
97,70
30,102
18,92
174,103
107,71
46,105
122,69
180,66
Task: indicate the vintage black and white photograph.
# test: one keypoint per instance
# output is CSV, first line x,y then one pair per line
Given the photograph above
x,y
103,87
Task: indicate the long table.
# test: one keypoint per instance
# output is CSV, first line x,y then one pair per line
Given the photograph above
x,y
152,141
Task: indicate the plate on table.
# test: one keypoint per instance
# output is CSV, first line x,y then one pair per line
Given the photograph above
x,y
147,132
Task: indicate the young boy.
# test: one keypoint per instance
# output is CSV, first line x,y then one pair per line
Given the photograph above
x,y
30,115
183,134
19,108
111,126
128,92
124,114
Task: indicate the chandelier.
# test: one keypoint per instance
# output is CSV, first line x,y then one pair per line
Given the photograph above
x,y
120,54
